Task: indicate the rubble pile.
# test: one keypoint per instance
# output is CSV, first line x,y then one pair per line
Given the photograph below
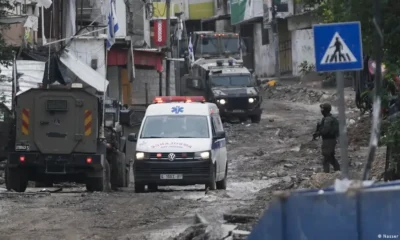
x,y
294,94
320,180
360,132
298,93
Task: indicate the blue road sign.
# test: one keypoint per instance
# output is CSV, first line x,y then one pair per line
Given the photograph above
x,y
338,47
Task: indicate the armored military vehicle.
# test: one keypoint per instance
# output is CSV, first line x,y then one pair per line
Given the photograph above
x,y
58,139
227,83
207,44
6,122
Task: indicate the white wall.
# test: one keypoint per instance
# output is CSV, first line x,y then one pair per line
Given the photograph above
x,y
88,49
121,16
302,49
264,55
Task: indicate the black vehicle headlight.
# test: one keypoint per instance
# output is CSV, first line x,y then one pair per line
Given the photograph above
x,y
221,101
252,100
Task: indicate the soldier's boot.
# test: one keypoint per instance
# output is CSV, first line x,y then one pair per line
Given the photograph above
x,y
326,166
335,163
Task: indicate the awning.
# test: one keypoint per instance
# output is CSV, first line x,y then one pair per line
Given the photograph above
x,y
12,19
30,76
217,17
83,71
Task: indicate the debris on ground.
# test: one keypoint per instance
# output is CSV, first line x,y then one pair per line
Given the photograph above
x,y
320,180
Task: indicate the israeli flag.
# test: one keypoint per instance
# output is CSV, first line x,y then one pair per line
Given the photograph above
x,y
190,48
112,25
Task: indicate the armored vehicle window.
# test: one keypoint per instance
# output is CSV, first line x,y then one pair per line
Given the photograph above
x,y
187,126
238,81
230,44
207,46
57,105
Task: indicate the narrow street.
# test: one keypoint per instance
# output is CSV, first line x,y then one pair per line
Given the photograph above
x,y
276,154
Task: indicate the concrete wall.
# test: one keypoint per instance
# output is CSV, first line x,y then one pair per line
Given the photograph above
x,y
264,55
137,23
88,49
302,49
120,9
151,77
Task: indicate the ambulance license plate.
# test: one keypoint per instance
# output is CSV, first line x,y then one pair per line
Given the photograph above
x,y
171,176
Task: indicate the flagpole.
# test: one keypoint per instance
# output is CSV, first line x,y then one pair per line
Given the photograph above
x,y
104,95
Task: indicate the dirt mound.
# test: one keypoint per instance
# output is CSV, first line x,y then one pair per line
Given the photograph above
x,y
360,132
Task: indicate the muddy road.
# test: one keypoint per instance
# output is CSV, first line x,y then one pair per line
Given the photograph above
x,y
276,154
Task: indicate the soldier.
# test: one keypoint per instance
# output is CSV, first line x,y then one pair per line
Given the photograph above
x,y
328,129
112,154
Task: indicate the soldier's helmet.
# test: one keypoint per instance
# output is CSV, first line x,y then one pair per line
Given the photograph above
x,y
326,107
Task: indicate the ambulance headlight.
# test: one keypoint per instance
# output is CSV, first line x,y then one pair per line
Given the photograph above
x,y
203,155
139,156
251,100
221,101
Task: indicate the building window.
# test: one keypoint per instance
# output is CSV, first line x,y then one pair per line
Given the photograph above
x,y
265,35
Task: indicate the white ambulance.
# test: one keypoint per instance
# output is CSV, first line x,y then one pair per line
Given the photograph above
x,y
181,142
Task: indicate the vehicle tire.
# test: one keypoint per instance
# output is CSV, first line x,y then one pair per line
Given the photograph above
x,y
256,118
120,170
100,184
243,119
139,188
16,179
212,184
152,187
43,184
222,184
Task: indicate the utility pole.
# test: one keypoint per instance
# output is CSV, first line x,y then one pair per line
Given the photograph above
x,y
376,116
274,9
168,66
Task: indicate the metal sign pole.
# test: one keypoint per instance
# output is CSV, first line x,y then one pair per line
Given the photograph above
x,y
342,125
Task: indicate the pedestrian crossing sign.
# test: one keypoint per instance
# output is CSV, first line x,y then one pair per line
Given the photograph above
x,y
338,47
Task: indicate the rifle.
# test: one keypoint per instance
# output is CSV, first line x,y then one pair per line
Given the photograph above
x,y
316,134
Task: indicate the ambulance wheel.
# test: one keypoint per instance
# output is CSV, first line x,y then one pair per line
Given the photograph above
x,y
222,184
139,188
256,118
16,179
100,184
212,184
120,169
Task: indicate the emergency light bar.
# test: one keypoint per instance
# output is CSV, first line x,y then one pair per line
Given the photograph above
x,y
186,99
220,35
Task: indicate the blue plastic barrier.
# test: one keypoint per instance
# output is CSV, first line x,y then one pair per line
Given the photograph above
x,y
371,213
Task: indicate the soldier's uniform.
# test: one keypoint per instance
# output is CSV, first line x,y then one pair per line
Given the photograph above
x,y
328,133
112,154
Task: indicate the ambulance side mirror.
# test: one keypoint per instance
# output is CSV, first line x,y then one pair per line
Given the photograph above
x,y
220,135
132,137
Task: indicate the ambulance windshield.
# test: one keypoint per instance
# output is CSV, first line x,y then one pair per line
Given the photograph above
x,y
187,126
